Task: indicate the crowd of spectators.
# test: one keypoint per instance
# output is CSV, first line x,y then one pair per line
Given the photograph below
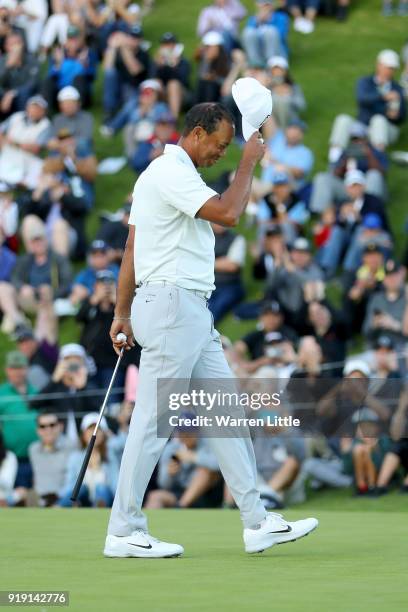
x,y
317,236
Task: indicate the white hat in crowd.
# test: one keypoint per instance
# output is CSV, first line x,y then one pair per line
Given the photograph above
x,y
151,84
68,93
91,419
254,102
278,61
72,350
354,177
356,365
212,39
388,58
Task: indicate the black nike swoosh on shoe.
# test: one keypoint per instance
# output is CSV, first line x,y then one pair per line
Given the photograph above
x,y
139,545
287,530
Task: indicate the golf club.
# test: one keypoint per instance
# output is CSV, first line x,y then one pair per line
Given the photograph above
x,y
120,338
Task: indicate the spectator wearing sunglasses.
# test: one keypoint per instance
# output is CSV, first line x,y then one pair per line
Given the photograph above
x,y
48,458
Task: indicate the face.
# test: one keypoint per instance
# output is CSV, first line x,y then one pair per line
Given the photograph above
x,y
209,148
87,435
73,44
148,96
278,72
271,321
394,281
385,72
318,314
13,41
188,439
294,135
273,242
301,259
69,107
16,376
164,131
27,347
373,260
37,246
282,191
35,112
211,52
48,428
355,191
98,260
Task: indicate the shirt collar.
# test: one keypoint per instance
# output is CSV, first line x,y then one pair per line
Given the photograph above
x,y
180,153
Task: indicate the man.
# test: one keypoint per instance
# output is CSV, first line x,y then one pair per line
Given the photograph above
x,y
19,72
230,249
84,282
350,213
269,344
41,352
147,150
48,457
287,153
381,106
23,137
173,258
19,421
71,117
74,64
126,64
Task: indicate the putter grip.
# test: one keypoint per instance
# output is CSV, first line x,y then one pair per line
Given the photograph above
x,y
81,474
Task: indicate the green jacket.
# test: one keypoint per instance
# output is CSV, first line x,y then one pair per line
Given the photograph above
x,y
18,433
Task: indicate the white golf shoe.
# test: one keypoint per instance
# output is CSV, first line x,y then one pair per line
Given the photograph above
x,y
140,544
275,530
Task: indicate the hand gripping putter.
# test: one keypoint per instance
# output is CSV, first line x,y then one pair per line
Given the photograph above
x,y
120,338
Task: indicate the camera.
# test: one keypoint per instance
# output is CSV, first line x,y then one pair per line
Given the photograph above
x,y
274,352
73,367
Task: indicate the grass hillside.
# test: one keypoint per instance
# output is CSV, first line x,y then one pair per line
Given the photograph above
x,y
326,64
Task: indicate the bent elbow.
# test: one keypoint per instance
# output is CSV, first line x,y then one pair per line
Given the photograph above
x,y
231,220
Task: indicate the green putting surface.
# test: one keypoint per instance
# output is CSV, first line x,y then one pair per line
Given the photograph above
x,y
355,561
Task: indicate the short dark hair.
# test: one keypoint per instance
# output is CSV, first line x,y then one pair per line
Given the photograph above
x,y
207,115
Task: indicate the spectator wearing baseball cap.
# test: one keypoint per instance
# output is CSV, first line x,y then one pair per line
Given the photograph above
x,y
381,107
370,232
95,317
358,204
25,136
19,422
173,70
223,17
71,116
265,34
138,115
101,477
164,133
126,65
72,64
361,284
289,154
360,154
213,68
387,370
288,98
84,282
387,310
251,350
296,280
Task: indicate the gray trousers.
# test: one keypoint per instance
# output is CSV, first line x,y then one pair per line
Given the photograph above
x,y
178,339
381,132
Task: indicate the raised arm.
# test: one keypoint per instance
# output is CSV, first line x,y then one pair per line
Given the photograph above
x,y
227,208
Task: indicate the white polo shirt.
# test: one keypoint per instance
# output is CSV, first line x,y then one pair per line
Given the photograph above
x,y
170,243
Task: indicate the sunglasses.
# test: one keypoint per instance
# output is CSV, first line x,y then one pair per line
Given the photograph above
x,y
47,425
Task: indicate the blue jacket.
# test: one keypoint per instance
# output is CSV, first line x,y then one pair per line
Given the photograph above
x,y
71,67
370,101
7,262
280,20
